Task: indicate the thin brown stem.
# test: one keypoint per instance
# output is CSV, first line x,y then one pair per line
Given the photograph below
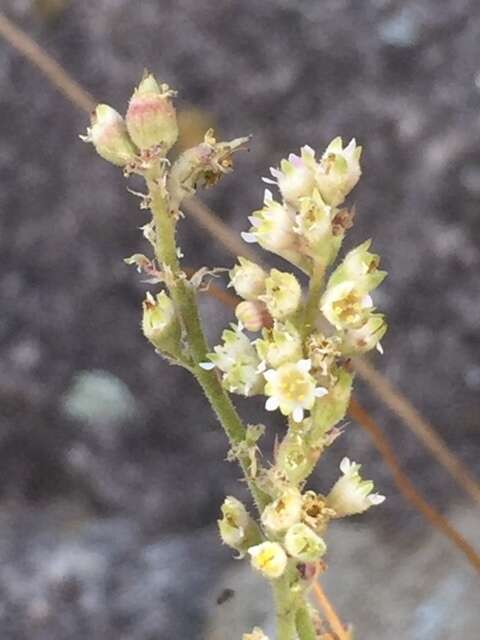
x,y
329,612
406,487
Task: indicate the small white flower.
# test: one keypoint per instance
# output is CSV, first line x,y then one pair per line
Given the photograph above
x,y
281,344
283,512
292,389
304,544
345,306
269,558
272,226
338,171
282,294
350,494
296,176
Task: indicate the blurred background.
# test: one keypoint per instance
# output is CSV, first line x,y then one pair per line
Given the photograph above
x,y
112,466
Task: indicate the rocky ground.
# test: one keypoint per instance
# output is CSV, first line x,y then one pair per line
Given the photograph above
x,y
111,463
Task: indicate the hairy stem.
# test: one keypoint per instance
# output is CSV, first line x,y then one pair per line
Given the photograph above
x,y
184,298
305,628
313,298
285,609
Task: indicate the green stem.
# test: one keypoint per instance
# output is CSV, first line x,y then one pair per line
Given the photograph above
x,y
305,627
184,298
313,299
285,609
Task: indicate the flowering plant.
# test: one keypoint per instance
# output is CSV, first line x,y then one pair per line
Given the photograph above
x,y
292,348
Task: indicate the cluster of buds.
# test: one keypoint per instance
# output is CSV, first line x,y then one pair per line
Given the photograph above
x,y
308,226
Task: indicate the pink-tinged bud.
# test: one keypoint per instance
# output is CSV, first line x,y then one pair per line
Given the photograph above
x,y
109,136
253,315
151,117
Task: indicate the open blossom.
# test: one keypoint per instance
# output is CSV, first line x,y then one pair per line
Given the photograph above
x,y
280,344
292,389
345,306
238,361
282,294
272,226
296,176
283,512
350,494
338,171
269,558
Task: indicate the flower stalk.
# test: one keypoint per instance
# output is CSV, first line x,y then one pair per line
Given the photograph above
x,y
298,365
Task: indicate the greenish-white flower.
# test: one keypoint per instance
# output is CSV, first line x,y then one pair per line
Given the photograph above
x,y
272,226
239,362
338,171
108,134
236,524
351,494
361,267
282,294
286,510
296,176
160,324
279,345
367,337
346,306
248,279
303,544
269,558
292,389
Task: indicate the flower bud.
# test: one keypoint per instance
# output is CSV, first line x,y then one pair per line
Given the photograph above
x,y
367,337
304,544
269,558
280,514
361,267
151,118
339,171
109,136
160,324
238,361
237,528
279,345
283,294
329,410
257,634
253,315
350,494
295,458
248,279
296,177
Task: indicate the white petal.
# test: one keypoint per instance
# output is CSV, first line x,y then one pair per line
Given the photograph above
x,y
320,392
367,302
379,348
267,196
271,404
376,498
304,365
248,237
297,414
261,367
345,465
208,366
270,375
268,181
